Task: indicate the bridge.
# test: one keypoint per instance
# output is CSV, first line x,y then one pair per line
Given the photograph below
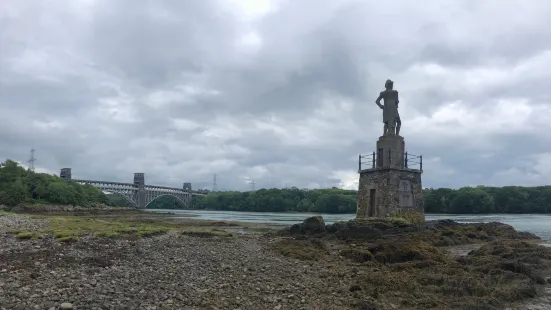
x,y
138,193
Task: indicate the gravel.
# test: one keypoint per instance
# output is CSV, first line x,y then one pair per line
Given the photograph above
x,y
172,271
9,222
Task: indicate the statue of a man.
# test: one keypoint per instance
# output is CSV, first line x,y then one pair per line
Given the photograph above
x,y
391,118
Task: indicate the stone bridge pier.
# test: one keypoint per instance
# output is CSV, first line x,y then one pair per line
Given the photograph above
x,y
139,182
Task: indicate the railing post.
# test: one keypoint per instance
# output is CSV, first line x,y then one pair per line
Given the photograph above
x,y
406,160
359,162
421,162
373,159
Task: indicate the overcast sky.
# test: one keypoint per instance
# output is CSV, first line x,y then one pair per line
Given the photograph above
x,y
281,92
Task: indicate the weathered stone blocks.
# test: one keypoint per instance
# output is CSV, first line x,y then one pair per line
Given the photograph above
x,y
390,189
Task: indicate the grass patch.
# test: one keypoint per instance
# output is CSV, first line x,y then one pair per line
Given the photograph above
x,y
207,233
25,235
152,231
63,234
68,239
309,249
3,212
108,234
68,228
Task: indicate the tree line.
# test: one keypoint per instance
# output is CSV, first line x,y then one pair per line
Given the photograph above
x,y
331,200
484,199
466,200
19,185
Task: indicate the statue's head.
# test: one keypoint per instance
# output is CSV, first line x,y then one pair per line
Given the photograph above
x,y
389,84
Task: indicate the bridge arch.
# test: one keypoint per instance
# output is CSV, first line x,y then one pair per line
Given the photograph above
x,y
114,192
184,204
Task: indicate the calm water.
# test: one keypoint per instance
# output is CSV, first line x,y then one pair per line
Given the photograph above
x,y
534,223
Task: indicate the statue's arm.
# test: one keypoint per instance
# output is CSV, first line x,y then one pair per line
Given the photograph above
x,y
378,101
397,101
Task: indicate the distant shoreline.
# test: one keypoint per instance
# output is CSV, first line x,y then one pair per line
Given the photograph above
x,y
300,212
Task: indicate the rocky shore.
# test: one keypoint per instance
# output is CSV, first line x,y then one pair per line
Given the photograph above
x,y
179,268
49,208
171,271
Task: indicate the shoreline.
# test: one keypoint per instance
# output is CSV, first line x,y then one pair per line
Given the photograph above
x,y
353,214
44,209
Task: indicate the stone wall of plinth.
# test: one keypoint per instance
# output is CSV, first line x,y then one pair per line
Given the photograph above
x,y
390,151
391,192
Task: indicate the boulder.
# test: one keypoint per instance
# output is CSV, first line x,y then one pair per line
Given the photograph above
x,y
355,228
314,224
311,225
296,229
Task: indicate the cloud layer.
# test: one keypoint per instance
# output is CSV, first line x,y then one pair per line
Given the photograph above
x,y
281,92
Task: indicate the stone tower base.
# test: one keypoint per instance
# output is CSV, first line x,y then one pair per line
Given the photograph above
x,y
391,192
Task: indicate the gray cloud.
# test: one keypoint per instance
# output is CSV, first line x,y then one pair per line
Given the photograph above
x,y
181,90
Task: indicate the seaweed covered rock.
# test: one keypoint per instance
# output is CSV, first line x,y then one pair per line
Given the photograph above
x,y
371,227
439,224
393,264
357,254
355,228
311,225
314,224
504,231
512,258
448,232
512,250
417,275
406,251
307,249
437,233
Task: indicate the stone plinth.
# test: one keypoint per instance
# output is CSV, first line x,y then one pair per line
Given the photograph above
x,y
390,151
390,189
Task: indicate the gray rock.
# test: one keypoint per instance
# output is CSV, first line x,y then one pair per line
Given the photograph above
x,y
66,305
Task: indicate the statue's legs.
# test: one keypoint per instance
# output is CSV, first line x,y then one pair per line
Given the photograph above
x,y
398,125
391,127
385,128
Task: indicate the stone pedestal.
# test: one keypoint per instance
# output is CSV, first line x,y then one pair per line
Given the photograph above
x,y
390,151
390,189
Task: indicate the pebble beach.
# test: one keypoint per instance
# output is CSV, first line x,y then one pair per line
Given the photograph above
x,y
174,270
170,271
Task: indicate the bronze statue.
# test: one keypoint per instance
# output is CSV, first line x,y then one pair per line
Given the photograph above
x,y
391,118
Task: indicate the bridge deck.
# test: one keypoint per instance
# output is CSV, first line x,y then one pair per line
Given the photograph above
x,y
133,186
103,182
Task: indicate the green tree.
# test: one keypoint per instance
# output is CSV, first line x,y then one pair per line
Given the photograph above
x,y
472,200
14,193
18,185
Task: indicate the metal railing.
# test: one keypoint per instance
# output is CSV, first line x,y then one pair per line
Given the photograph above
x,y
413,159
374,160
363,160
